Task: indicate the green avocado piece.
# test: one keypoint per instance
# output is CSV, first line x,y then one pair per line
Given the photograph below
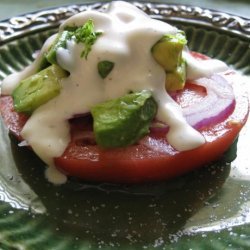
x,y
60,42
176,80
38,89
168,50
43,64
123,121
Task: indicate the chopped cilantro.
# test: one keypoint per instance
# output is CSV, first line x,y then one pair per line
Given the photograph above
x,y
86,35
104,68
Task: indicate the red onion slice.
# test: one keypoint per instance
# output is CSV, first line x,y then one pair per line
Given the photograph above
x,y
83,138
80,115
215,107
158,127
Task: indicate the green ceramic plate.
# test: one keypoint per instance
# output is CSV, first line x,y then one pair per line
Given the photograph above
x,y
206,209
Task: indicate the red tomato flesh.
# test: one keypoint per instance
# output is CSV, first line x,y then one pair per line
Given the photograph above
x,y
138,163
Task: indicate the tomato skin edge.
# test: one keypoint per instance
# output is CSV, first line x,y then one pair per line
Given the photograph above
x,y
148,170
13,121
135,171
219,137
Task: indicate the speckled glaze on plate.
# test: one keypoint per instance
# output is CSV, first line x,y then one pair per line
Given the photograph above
x,y
205,209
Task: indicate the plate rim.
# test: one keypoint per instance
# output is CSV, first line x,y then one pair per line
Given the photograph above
x,y
26,24
44,19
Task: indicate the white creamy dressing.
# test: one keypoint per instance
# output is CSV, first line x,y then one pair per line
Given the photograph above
x,y
128,35
202,68
11,81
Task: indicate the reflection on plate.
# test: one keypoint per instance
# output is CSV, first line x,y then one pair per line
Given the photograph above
x,y
211,203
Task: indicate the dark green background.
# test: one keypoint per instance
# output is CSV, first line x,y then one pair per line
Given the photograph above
x,y
10,8
205,209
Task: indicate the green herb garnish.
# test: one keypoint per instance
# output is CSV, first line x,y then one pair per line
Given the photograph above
x,y
86,35
104,68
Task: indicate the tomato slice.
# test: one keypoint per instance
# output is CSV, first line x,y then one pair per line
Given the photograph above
x,y
152,159
13,120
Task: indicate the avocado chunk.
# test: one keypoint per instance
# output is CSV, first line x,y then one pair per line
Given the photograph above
x,y
43,63
168,50
38,89
83,34
176,80
60,42
123,121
